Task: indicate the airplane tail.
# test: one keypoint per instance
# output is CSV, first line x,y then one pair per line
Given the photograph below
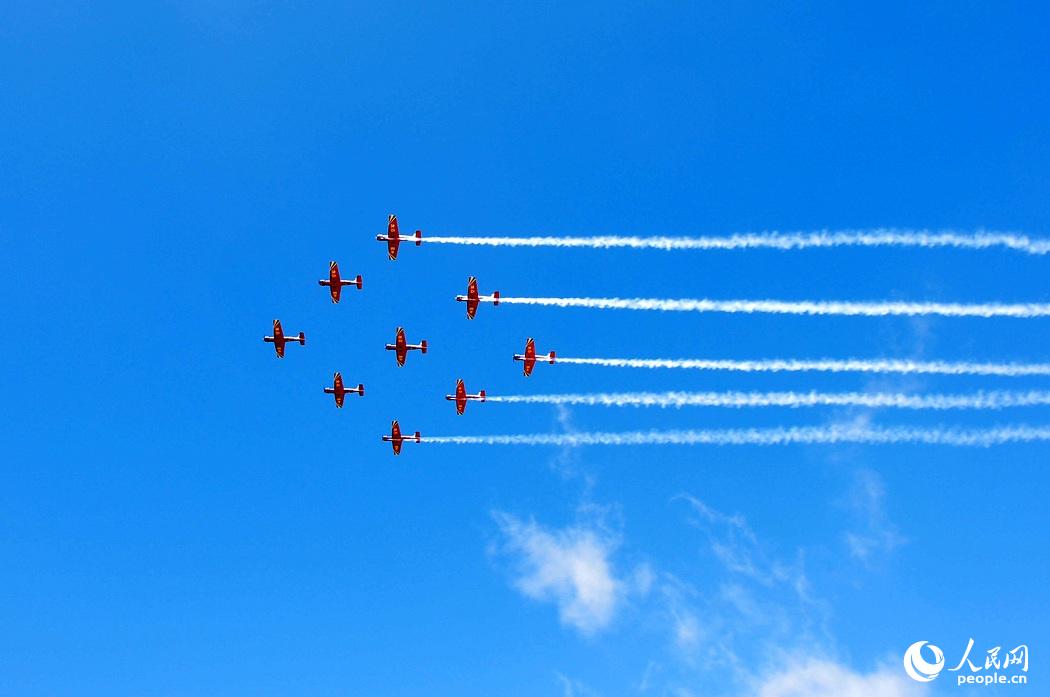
x,y
495,298
418,237
552,357
417,436
423,346
302,339
358,282
482,393
361,389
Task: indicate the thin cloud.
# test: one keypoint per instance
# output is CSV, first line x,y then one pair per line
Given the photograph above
x,y
735,545
574,688
570,567
822,678
874,535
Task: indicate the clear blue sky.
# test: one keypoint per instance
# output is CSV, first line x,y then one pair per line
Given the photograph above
x,y
183,514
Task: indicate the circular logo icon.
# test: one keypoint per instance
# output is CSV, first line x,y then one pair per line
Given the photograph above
x,y
917,667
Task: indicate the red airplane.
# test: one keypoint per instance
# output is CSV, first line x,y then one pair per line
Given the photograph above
x,y
393,239
279,339
529,357
396,439
402,347
472,298
340,392
461,397
336,284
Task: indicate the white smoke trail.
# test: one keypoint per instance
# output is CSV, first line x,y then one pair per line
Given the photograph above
x,y
773,436
828,365
978,400
801,307
879,237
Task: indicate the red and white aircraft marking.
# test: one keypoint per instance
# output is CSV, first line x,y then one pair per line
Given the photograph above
x,y
396,439
340,391
393,237
472,298
402,347
529,357
335,283
279,339
461,397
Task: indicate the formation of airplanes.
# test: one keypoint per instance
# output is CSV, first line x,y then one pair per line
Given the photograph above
x,y
338,389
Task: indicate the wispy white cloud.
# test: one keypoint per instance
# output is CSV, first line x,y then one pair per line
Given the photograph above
x,y
874,536
753,604
570,567
751,627
814,677
652,670
574,688
643,577
696,630
737,547
566,459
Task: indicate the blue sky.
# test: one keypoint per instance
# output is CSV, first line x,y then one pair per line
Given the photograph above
x,y
184,514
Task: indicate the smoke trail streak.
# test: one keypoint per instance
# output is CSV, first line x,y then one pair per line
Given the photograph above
x,y
828,365
802,307
879,237
773,436
978,400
